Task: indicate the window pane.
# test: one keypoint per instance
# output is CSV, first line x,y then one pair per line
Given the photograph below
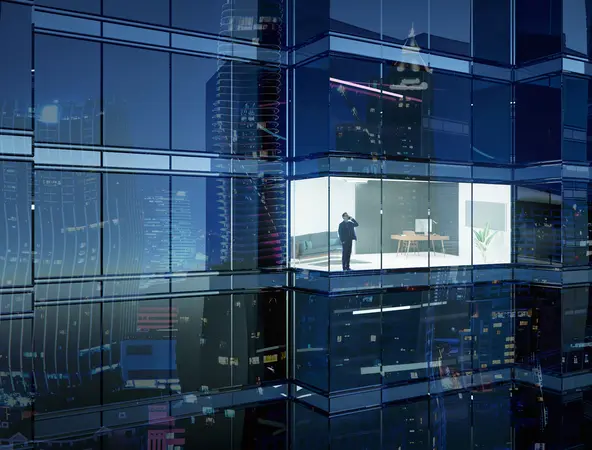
x,y
205,342
450,118
492,128
399,17
355,106
195,83
311,18
15,225
139,339
88,6
67,224
256,21
576,16
191,241
346,18
67,361
136,90
136,229
491,30
15,76
207,16
538,29
67,90
154,11
450,26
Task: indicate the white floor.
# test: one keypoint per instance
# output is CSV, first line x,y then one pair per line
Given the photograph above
x,y
388,261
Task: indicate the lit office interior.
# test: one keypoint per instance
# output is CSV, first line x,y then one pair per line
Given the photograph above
x,y
402,223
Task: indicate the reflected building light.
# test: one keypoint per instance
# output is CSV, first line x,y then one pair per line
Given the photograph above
x,y
49,114
358,312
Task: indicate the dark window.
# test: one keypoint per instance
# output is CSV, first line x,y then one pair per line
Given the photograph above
x,y
136,224
538,29
347,17
195,91
576,132
399,18
136,97
88,6
355,119
492,128
491,30
15,76
154,11
311,114
577,19
67,90
450,26
448,133
67,224
67,364
15,224
311,19
208,16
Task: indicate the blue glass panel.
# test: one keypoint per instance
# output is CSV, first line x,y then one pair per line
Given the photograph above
x,y
155,11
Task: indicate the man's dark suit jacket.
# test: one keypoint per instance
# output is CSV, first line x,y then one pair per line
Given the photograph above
x,y
346,230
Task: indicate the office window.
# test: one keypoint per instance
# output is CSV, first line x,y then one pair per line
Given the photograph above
x,y
538,120
491,30
402,20
140,341
448,132
136,224
87,6
492,126
256,21
355,105
67,359
204,343
195,91
208,16
311,111
346,18
576,95
199,240
311,19
259,337
136,97
15,76
15,224
154,12
450,26
67,90
67,224
576,25
538,29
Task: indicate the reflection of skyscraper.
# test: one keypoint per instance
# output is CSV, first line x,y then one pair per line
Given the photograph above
x,y
70,122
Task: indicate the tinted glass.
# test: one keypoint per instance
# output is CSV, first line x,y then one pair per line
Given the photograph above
x,y
155,11
136,97
492,127
195,91
538,120
256,21
67,90
140,340
136,229
67,359
67,224
311,115
491,30
311,18
15,77
355,105
88,6
450,118
450,26
401,18
538,29
207,16
576,92
204,346
347,17
576,23
15,224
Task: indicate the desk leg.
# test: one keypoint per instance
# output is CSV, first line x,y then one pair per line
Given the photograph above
x,y
433,247
408,245
443,248
398,246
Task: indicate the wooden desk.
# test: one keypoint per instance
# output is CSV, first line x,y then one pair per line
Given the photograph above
x,y
419,237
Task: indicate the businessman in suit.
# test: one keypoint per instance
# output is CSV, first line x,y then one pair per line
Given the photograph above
x,y
347,236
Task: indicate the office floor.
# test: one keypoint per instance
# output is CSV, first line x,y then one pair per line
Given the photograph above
x,y
384,261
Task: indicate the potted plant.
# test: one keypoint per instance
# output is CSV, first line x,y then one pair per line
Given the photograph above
x,y
482,240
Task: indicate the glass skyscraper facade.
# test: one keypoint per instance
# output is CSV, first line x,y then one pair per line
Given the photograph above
x,y
173,268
